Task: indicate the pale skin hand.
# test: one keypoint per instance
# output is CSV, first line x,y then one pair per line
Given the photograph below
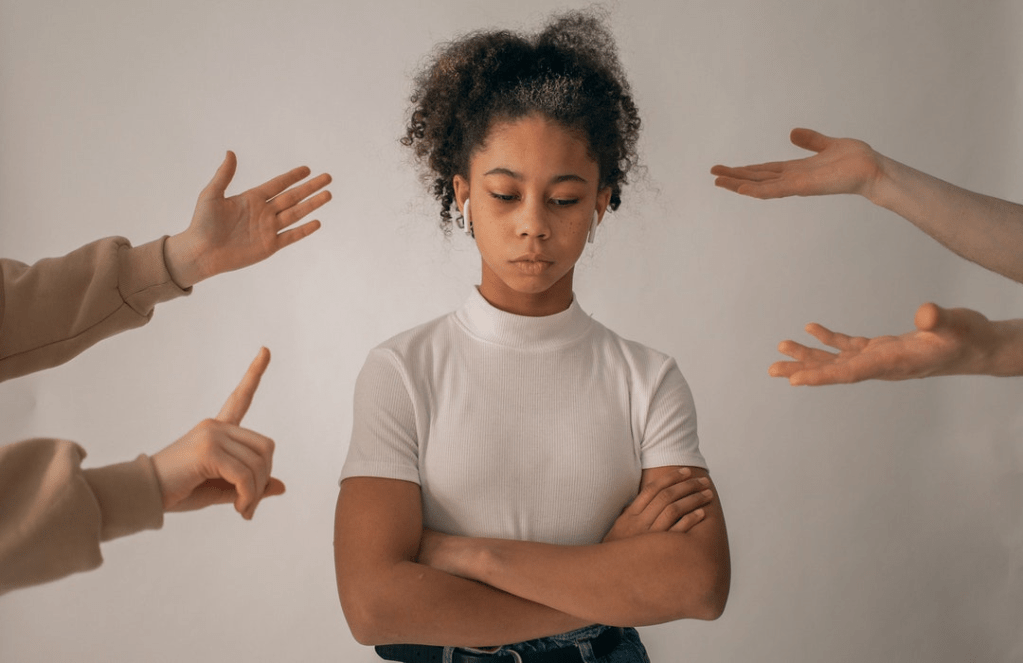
x,y
954,341
983,229
231,233
841,165
218,461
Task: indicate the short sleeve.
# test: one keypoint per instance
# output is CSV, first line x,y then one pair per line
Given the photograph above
x,y
670,437
384,439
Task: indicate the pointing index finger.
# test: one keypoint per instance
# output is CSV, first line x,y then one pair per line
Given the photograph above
x,y
238,402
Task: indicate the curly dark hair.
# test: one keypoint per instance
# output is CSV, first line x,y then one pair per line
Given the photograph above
x,y
569,72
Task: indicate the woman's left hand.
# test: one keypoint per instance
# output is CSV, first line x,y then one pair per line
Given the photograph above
x,y
670,500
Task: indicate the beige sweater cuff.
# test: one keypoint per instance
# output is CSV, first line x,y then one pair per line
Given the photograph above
x,y
128,495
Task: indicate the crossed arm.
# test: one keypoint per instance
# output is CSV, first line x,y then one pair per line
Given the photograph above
x,y
985,230
666,558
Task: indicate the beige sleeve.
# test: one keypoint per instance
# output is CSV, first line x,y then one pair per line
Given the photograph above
x,y
53,310
54,514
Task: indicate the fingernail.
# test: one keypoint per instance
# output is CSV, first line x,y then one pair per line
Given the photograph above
x,y
699,513
685,471
707,493
704,481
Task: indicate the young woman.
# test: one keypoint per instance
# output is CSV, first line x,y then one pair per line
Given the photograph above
x,y
517,472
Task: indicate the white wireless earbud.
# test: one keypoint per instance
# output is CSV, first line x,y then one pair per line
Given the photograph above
x,y
593,227
466,219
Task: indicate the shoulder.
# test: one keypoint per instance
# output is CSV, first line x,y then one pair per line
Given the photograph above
x,y
414,350
640,359
420,339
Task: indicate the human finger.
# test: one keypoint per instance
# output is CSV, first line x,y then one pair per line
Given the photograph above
x,y
254,453
269,189
292,214
222,178
754,172
803,353
258,444
837,340
238,402
777,188
293,196
688,521
227,467
819,376
728,183
291,236
808,139
784,369
674,511
930,316
649,491
672,494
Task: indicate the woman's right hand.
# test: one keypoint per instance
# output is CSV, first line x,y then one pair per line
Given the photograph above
x,y
672,501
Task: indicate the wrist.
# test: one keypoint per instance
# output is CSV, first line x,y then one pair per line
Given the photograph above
x,y
468,557
881,186
181,254
1002,355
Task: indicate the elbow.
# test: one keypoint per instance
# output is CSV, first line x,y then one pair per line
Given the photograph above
x,y
712,594
701,592
712,604
366,620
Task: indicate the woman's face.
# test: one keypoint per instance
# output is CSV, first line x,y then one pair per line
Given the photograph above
x,y
533,191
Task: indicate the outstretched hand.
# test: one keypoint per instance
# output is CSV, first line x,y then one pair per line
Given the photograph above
x,y
841,165
230,233
946,342
218,462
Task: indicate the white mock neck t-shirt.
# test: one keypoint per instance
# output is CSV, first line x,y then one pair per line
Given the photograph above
x,y
517,427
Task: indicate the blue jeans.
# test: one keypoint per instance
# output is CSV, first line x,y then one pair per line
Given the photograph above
x,y
630,650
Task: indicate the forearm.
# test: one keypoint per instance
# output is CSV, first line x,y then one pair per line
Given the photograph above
x,y
54,514
983,229
410,603
646,579
53,310
389,598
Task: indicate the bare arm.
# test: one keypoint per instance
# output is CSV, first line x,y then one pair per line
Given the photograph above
x,y
388,597
954,341
646,579
983,229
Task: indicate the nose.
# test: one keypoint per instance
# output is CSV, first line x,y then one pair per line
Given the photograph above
x,y
532,221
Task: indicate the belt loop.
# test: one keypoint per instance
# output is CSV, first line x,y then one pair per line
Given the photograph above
x,y
586,651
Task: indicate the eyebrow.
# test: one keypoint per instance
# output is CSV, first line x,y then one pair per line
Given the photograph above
x,y
568,177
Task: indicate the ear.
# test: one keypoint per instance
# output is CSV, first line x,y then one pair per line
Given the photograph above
x,y
461,191
603,200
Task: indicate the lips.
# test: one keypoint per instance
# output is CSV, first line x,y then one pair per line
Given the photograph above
x,y
532,263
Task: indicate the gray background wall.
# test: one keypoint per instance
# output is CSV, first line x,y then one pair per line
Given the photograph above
x,y
868,522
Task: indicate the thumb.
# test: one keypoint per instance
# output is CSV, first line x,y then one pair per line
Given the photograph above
x,y
808,139
223,177
930,316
